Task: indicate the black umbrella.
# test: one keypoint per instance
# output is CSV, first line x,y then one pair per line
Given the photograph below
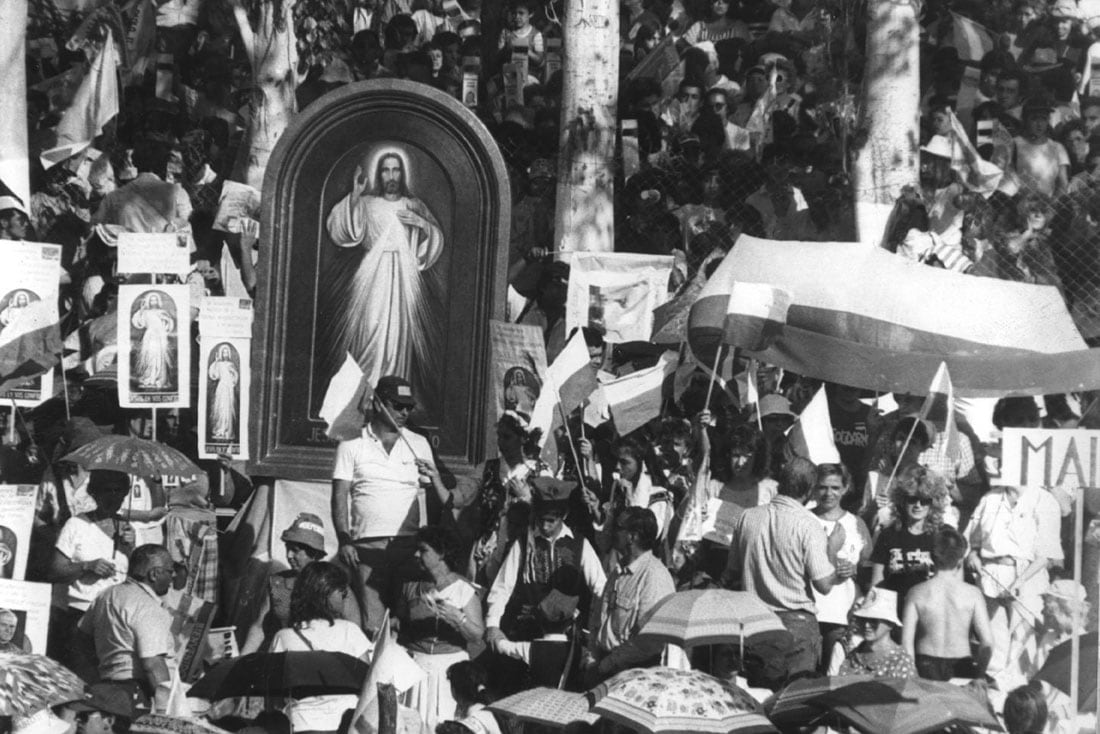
x,y
290,674
1057,669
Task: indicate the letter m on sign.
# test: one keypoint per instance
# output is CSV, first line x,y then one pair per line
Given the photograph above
x,y
1027,457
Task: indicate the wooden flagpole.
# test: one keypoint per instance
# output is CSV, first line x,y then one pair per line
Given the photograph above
x,y
713,376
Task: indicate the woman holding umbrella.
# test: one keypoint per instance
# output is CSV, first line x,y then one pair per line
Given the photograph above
x,y
314,625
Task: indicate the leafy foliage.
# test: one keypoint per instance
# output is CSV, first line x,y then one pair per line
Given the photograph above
x,y
324,30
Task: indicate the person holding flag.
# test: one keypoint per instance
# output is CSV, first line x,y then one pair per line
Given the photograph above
x,y
377,483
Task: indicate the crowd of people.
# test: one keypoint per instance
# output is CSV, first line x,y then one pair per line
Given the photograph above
x,y
903,559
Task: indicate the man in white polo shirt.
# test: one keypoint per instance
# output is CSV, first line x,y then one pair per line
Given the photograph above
x,y
377,500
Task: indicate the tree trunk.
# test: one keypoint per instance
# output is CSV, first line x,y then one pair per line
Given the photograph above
x,y
14,166
888,135
273,52
584,219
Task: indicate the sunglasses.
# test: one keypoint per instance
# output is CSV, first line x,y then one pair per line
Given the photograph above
x,y
915,500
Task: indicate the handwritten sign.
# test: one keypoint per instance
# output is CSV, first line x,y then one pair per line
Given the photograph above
x,y
161,252
1036,457
226,316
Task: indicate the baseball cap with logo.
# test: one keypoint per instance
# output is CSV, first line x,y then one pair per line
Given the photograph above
x,y
396,390
308,530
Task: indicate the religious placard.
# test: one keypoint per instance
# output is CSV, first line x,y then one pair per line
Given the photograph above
x,y
519,367
1040,457
224,384
29,276
24,616
615,293
159,252
16,519
226,316
154,346
383,236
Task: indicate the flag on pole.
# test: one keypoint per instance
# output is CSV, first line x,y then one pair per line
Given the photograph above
x,y
939,410
390,664
635,400
755,315
340,408
569,381
93,106
811,435
9,199
972,40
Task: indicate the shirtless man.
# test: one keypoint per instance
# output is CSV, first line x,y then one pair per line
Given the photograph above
x,y
941,613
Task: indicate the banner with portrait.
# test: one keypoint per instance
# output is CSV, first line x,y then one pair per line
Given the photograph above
x,y
16,519
224,386
24,616
615,293
154,346
29,275
519,367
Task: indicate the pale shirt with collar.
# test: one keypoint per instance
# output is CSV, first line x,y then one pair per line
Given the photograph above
x,y
628,598
146,204
385,487
510,574
129,624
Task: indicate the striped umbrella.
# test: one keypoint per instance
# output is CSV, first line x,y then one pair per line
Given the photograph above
x,y
546,706
710,617
133,456
670,701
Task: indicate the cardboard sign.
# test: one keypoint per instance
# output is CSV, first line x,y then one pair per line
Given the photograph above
x,y
154,253
469,88
237,201
154,346
29,604
16,518
1040,457
551,62
224,316
1094,80
29,275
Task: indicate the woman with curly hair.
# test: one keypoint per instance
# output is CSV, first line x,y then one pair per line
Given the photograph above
x,y
315,606
902,555
504,497
440,616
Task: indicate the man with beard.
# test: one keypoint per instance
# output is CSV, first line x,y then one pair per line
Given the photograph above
x,y
389,317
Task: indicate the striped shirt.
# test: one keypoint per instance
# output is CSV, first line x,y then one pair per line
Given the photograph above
x,y
777,550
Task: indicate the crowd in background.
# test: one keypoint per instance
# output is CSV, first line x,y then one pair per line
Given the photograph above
x,y
901,560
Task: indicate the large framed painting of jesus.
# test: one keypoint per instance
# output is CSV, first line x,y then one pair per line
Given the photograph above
x,y
384,236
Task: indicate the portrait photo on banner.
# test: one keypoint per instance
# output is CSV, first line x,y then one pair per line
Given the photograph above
x,y
29,275
154,342
24,616
519,367
384,254
223,397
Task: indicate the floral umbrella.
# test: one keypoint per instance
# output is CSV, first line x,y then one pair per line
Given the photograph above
x,y
30,683
547,706
668,701
133,456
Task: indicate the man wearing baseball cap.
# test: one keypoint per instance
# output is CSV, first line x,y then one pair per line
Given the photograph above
x,y
376,483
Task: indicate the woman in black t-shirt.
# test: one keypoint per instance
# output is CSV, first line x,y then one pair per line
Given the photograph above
x,y
902,554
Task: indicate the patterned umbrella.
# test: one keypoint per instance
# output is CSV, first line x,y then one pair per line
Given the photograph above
x,y
791,706
133,456
710,617
161,724
29,683
906,706
547,706
669,701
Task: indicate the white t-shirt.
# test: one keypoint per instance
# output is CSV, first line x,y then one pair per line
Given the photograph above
x,y
82,540
321,713
384,487
833,607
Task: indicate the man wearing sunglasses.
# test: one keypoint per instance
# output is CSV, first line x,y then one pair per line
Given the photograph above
x,y
377,484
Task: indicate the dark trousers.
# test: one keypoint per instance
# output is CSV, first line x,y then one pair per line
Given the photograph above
x,y
384,565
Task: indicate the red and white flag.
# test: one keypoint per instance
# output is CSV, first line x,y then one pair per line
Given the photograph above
x,y
972,40
755,315
811,435
390,664
636,398
569,381
93,106
939,410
